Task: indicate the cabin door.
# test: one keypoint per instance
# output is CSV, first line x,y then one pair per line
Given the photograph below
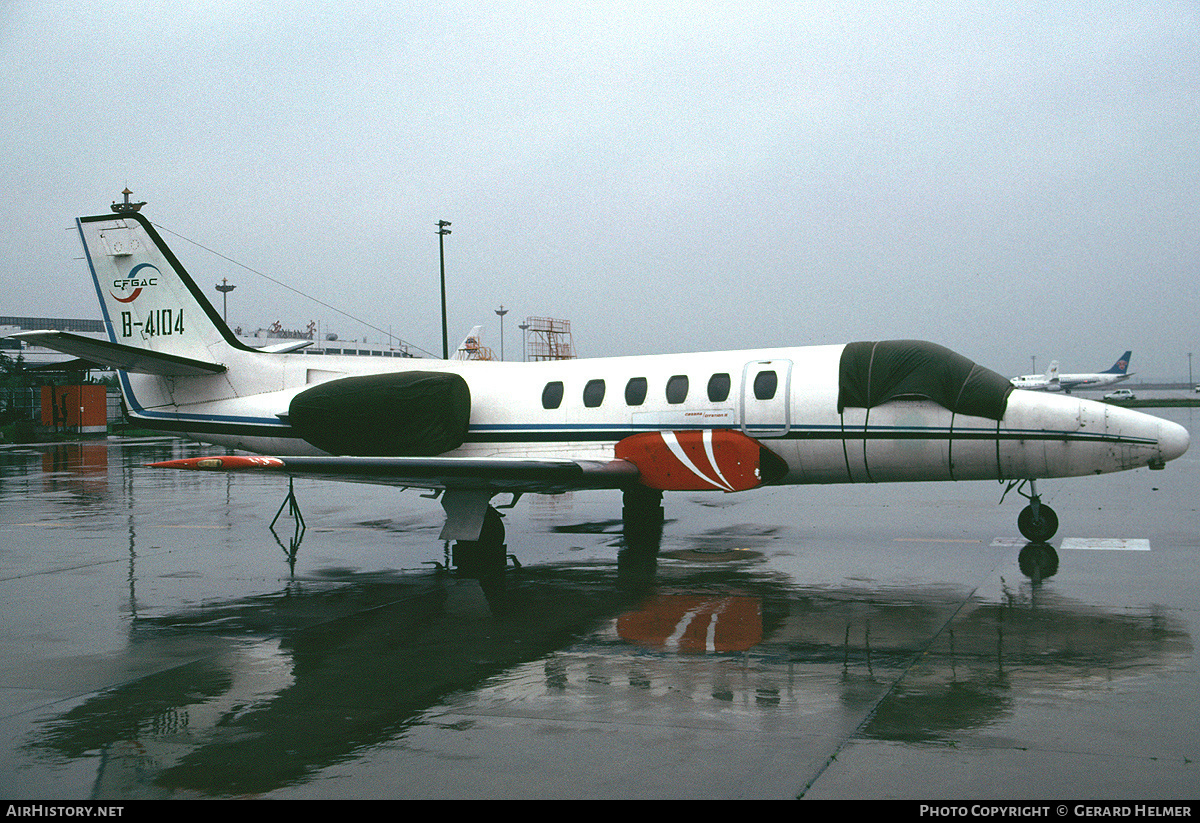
x,y
766,405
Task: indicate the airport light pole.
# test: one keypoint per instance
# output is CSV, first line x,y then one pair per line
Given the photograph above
x,y
224,288
524,327
1190,383
443,230
501,311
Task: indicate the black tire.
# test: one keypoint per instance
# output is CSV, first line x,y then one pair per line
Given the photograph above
x,y
1037,529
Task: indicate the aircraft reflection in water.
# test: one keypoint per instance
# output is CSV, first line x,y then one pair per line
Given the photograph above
x,y
300,680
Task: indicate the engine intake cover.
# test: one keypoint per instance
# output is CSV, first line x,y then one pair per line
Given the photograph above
x,y
400,414
700,460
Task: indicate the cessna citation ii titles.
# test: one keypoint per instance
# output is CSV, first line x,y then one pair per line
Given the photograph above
x,y
866,412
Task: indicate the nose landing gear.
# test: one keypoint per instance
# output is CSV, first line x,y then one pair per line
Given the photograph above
x,y
1037,521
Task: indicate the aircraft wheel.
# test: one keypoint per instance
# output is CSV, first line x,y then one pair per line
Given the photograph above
x,y
1039,527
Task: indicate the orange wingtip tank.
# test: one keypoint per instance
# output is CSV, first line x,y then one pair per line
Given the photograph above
x,y
225,463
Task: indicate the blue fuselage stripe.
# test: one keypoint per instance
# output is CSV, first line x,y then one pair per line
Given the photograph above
x,y
599,432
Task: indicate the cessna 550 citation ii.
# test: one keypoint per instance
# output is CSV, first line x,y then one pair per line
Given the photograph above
x,y
864,412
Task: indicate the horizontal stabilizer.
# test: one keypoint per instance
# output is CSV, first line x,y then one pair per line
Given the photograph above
x,y
284,348
494,474
118,356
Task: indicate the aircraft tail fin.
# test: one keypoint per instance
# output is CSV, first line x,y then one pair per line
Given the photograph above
x,y
1052,373
1122,364
471,346
148,300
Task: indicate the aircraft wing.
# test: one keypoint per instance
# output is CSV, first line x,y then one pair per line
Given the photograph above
x,y
452,473
127,358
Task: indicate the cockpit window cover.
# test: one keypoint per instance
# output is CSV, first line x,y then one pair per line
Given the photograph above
x,y
873,373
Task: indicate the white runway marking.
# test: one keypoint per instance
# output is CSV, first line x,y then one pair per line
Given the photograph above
x,y
1106,543
1117,544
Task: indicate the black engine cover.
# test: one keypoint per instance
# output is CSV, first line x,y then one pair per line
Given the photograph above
x,y
399,414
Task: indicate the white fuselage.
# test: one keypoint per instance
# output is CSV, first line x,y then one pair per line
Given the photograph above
x,y
1039,436
187,373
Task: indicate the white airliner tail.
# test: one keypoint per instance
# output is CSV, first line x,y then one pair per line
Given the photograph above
x,y
471,346
1121,367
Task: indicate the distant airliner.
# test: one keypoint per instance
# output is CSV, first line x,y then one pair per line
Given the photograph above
x,y
731,421
1053,381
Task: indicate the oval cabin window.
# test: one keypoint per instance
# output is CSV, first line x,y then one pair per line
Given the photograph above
x,y
765,385
552,395
677,388
718,388
635,391
593,393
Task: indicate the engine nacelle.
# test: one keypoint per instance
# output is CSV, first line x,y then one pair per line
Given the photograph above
x,y
397,414
704,460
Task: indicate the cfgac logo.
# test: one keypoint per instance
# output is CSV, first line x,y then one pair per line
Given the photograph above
x,y
140,277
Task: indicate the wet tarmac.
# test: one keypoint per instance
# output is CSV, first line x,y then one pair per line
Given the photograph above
x,y
158,641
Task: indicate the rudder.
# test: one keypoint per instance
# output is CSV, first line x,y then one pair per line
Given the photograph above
x,y
1122,364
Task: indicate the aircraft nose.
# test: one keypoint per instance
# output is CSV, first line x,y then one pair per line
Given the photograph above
x,y
1173,440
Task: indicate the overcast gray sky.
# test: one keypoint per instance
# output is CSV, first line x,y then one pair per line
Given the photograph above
x,y
1009,180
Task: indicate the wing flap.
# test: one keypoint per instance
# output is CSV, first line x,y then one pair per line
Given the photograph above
x,y
493,474
126,358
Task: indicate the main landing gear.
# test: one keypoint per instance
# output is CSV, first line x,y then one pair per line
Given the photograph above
x,y
643,517
1037,521
486,557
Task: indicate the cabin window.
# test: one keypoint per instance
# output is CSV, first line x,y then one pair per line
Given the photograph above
x,y
635,391
593,393
552,395
718,388
765,385
677,388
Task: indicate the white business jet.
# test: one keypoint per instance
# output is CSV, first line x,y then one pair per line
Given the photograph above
x,y
469,430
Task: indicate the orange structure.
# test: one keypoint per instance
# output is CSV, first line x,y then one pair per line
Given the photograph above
x,y
472,349
83,409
